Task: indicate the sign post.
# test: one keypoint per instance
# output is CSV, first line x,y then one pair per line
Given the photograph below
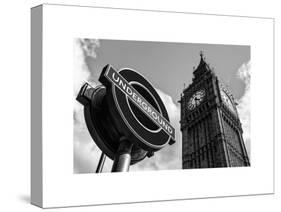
x,y
122,158
101,163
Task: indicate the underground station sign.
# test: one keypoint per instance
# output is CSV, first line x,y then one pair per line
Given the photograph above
x,y
126,106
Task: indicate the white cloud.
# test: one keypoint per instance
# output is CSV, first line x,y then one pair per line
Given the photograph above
x,y
244,104
170,156
81,75
89,46
82,48
86,153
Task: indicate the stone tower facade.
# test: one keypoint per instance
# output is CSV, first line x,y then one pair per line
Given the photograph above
x,y
210,125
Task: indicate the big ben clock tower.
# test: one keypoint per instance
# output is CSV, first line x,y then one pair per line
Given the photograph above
x,y
210,125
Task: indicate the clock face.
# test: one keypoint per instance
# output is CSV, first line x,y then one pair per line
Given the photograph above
x,y
195,99
227,101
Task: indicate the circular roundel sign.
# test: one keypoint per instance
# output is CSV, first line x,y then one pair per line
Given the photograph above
x,y
136,109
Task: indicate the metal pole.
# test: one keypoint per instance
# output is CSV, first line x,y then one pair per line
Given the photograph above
x,y
122,158
101,163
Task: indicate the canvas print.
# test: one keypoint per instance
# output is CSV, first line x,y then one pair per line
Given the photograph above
x,y
148,105
143,102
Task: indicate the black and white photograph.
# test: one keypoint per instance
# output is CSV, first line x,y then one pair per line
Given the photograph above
x,y
148,105
133,106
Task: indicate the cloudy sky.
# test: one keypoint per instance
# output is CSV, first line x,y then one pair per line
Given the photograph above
x,y
169,67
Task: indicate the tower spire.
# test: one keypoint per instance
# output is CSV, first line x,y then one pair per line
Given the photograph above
x,y
201,54
202,67
202,58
